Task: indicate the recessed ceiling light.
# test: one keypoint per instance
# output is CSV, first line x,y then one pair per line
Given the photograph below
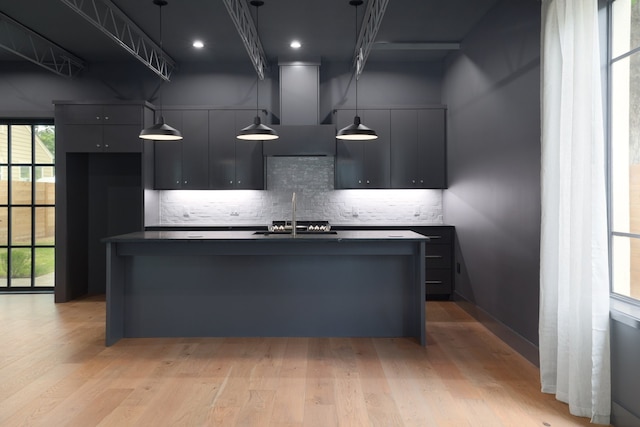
x,y
198,44
295,44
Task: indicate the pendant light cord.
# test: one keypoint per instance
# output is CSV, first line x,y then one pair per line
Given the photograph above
x,y
257,76
357,56
160,4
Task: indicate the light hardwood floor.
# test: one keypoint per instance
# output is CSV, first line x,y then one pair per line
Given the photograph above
x,y
56,371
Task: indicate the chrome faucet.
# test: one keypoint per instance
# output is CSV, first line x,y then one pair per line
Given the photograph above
x,y
293,215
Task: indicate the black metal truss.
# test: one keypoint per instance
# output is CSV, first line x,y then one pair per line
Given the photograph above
x,y
239,12
26,43
108,18
370,26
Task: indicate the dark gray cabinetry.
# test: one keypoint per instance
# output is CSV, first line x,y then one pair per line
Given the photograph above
x,y
99,189
439,261
90,128
418,157
233,163
184,164
364,164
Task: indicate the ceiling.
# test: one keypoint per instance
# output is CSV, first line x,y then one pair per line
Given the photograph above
x,y
325,28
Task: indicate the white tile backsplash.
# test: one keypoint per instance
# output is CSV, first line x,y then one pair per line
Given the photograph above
x,y
312,180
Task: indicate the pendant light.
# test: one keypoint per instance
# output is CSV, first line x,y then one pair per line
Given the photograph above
x,y
356,131
257,131
160,131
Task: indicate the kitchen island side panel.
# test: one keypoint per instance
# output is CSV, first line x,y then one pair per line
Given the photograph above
x,y
321,289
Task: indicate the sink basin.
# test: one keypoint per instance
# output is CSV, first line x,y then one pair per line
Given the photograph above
x,y
288,233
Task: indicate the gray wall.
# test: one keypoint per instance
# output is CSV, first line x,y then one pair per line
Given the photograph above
x,y
27,90
492,91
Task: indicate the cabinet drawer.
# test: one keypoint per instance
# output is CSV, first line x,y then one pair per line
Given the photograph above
x,y
438,236
437,256
438,277
438,282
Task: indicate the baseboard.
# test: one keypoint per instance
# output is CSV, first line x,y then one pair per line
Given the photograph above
x,y
620,417
514,340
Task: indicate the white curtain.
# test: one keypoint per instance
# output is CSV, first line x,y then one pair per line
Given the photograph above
x,y
574,277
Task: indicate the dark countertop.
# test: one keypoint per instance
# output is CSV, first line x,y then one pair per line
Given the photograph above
x,y
241,235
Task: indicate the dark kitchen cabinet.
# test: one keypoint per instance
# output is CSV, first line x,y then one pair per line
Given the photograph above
x,y
184,164
363,164
99,187
418,148
93,128
439,270
233,163
439,256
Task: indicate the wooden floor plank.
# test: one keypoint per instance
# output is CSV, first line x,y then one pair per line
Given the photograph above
x,y
56,370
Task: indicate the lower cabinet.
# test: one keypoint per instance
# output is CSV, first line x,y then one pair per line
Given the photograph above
x,y
439,256
438,261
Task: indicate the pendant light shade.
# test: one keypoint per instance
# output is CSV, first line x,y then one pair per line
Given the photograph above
x,y
257,131
356,131
160,131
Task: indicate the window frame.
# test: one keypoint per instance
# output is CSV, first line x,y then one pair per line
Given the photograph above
x,y
33,206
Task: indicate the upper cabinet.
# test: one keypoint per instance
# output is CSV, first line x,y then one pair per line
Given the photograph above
x,y
184,164
233,163
363,164
410,151
95,128
209,157
418,148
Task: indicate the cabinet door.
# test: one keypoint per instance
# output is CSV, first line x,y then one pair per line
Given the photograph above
x,y
168,157
349,171
376,153
122,115
432,159
195,149
80,138
404,149
418,148
121,138
222,149
364,164
79,114
249,159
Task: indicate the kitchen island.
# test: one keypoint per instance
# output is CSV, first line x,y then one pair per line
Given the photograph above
x,y
241,283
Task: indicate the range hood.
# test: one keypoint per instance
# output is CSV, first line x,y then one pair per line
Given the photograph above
x,y
300,132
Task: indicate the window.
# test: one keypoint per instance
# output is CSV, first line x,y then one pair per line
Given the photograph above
x,y
27,206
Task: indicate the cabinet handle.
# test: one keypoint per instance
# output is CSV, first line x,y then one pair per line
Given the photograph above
x,y
177,182
433,256
230,182
422,181
97,145
239,182
433,282
97,117
186,182
106,145
106,118
368,182
359,181
413,181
